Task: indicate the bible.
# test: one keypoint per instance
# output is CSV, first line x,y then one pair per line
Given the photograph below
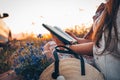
x,y
60,34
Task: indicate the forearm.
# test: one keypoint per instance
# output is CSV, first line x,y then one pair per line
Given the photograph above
x,y
83,49
82,40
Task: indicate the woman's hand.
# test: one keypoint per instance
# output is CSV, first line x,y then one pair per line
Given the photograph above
x,y
58,42
72,35
79,40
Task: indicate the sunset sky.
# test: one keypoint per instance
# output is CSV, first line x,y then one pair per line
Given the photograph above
x,y
28,15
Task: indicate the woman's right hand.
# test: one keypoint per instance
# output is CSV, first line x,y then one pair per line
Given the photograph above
x,y
79,40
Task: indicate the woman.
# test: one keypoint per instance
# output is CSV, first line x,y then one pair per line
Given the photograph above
x,y
105,44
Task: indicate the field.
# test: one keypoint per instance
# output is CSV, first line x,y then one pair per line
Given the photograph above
x,y
11,52
7,53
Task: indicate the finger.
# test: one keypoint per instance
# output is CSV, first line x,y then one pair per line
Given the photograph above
x,y
58,42
71,34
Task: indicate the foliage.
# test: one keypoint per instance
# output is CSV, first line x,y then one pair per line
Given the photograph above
x,y
30,62
22,50
7,53
78,30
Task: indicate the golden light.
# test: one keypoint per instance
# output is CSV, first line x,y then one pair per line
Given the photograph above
x,y
46,36
62,13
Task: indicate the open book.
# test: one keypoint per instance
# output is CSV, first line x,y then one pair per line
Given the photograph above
x,y
60,34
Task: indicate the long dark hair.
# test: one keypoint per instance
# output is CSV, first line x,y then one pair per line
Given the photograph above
x,y
107,22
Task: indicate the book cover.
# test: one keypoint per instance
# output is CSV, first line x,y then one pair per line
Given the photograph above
x,y
60,34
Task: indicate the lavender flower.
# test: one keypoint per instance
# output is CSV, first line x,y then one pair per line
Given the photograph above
x,y
30,62
20,50
39,36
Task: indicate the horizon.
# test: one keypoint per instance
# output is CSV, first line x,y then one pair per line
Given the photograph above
x,y
28,16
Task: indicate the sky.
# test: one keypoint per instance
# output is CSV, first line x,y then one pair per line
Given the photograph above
x,y
28,15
